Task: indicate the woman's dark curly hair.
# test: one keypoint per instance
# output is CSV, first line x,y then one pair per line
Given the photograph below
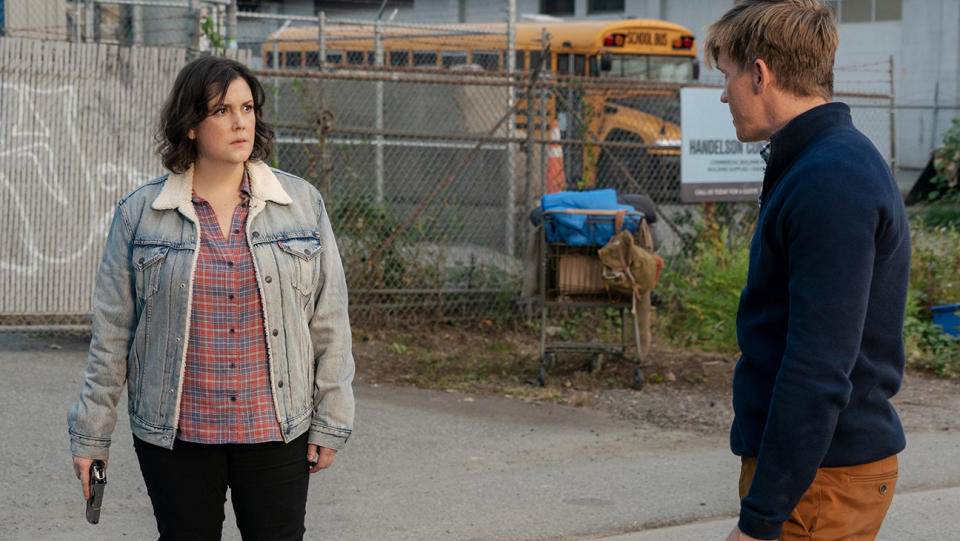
x,y
201,81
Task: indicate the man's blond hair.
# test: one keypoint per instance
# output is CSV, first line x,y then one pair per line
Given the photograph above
x,y
797,39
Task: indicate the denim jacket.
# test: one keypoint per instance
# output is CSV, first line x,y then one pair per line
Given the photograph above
x,y
141,313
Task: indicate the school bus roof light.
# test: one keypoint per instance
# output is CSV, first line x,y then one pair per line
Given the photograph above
x,y
684,42
614,40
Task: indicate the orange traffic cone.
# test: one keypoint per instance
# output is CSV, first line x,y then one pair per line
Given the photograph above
x,y
556,179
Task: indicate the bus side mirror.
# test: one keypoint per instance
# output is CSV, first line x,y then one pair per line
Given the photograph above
x,y
606,62
696,69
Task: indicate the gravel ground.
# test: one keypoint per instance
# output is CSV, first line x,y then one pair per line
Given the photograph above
x,y
924,403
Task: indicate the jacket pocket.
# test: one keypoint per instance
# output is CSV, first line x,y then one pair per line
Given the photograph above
x,y
303,256
146,260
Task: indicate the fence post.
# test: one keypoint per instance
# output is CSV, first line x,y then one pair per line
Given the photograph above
x,y
511,126
378,139
136,16
528,169
893,117
193,22
88,15
232,26
544,37
322,39
76,20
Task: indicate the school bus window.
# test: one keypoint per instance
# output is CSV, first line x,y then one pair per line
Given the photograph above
x,y
535,61
453,58
422,58
313,59
521,60
293,60
355,57
487,60
400,58
579,64
564,60
335,58
672,69
269,59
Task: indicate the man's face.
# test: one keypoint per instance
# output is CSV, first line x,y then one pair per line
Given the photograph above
x,y
739,93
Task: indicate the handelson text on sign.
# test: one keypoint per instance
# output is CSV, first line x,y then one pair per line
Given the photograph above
x,y
723,146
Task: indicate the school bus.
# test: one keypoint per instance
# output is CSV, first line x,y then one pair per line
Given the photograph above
x,y
652,58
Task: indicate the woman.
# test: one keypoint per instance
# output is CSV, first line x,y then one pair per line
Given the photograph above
x,y
222,304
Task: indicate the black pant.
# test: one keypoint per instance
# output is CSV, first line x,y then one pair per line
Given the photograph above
x,y
188,485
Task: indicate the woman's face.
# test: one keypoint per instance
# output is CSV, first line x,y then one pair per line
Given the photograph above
x,y
226,135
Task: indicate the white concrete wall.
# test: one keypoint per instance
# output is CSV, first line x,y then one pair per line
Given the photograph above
x,y
927,75
477,11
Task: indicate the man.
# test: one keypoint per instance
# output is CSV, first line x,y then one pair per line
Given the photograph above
x,y
820,322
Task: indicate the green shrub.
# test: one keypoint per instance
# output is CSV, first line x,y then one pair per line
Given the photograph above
x,y
943,201
946,160
700,287
935,265
926,345
934,280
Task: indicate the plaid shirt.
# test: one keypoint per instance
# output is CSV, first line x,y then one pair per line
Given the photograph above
x,y
226,383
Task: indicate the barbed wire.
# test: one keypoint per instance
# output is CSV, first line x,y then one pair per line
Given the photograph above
x,y
859,67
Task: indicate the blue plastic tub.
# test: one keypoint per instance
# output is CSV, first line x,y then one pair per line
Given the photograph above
x,y
576,229
948,317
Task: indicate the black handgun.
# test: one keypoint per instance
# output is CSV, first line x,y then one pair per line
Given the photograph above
x,y
98,481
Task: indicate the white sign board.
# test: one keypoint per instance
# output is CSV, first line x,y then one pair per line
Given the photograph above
x,y
714,165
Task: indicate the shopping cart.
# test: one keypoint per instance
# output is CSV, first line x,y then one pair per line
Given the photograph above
x,y
571,277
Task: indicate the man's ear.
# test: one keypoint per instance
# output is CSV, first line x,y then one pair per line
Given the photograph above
x,y
761,75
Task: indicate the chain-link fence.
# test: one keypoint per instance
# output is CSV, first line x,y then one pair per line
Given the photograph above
x,y
76,126
423,206
430,162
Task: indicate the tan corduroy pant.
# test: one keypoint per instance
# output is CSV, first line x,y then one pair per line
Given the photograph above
x,y
847,503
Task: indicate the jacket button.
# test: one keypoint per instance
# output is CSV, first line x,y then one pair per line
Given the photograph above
x,y
268,279
279,384
183,285
306,251
255,235
177,339
276,332
140,261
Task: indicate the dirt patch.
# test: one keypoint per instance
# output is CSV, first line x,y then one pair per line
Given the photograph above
x,y
683,389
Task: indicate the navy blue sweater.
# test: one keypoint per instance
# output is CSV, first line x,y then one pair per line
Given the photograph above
x,y
820,322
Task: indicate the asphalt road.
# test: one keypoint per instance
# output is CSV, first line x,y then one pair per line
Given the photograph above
x,y
432,465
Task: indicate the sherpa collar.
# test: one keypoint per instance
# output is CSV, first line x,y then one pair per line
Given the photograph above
x,y
177,190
